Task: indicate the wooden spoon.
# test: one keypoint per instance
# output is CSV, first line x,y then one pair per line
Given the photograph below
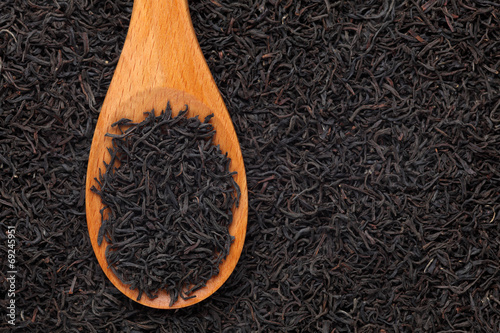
x,y
162,61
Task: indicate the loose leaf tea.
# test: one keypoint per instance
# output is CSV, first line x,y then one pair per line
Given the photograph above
x,y
168,195
370,132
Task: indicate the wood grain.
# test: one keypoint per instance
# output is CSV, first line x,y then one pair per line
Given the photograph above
x,y
162,61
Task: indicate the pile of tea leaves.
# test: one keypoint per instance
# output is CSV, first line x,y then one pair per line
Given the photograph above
x,y
168,195
370,132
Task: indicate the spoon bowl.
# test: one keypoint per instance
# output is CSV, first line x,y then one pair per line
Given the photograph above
x,y
162,62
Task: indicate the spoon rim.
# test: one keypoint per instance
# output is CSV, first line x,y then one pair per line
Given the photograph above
x,y
223,130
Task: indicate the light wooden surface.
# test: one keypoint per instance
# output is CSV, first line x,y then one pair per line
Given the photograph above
x,y
162,61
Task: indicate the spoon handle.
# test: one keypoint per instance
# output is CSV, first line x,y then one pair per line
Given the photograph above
x,y
161,50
